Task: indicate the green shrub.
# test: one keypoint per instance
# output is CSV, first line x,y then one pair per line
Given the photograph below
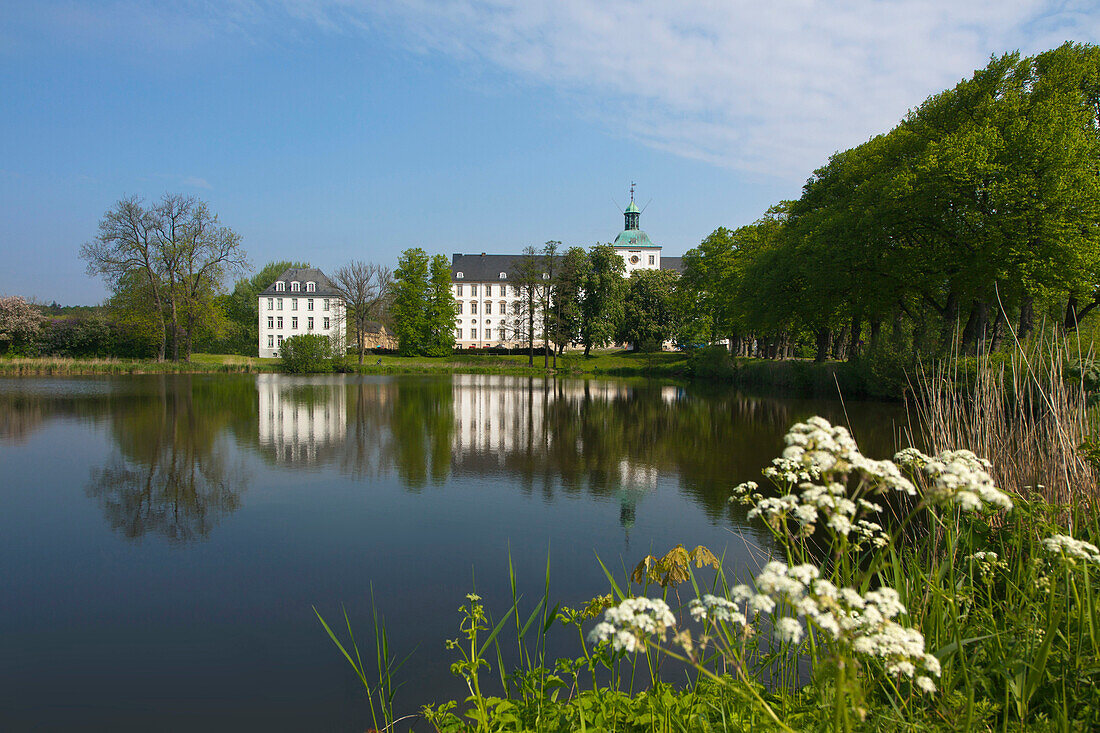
x,y
307,353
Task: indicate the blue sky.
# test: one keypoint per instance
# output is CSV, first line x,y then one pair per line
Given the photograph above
x,y
331,130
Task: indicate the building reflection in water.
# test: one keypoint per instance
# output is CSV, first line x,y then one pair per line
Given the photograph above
x,y
302,420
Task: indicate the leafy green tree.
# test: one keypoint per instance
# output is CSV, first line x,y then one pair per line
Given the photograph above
x,y
441,310
650,315
411,294
565,324
604,295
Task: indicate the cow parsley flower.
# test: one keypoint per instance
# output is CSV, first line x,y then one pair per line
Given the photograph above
x,y
627,625
1072,549
956,477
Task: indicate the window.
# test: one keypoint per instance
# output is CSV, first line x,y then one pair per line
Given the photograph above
x,y
459,308
473,290
294,304
295,286
309,323
280,342
279,323
326,304
328,323
515,291
459,276
280,286
279,303
473,333
503,307
271,304
294,322
488,334
504,276
652,260
310,287
473,306
270,342
458,289
458,333
489,291
488,309
271,322
309,304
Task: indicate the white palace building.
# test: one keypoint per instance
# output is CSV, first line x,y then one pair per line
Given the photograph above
x,y
488,303
301,301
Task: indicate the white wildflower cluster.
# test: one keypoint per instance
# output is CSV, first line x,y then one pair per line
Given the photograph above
x,y
820,459
956,477
987,563
1072,549
627,625
865,623
741,608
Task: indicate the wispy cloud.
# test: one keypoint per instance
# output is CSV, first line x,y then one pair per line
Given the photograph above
x,y
194,182
768,87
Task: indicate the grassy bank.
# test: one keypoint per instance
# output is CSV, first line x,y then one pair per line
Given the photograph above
x,y
199,364
790,376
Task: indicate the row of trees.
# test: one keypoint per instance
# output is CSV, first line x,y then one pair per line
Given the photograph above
x,y
978,215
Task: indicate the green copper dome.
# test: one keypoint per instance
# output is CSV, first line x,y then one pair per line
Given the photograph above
x,y
632,208
634,238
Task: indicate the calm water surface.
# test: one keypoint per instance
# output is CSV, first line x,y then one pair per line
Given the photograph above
x,y
163,539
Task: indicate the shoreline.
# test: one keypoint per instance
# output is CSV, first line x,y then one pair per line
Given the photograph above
x,y
791,376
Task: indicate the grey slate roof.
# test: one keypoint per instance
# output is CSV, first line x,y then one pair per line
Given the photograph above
x,y
325,288
487,268
676,264
483,267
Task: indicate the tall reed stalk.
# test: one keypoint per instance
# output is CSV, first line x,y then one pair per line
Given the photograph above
x,y
1026,414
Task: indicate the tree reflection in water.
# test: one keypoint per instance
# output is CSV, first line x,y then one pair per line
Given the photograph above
x,y
175,474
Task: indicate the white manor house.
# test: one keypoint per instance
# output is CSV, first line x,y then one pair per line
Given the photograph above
x,y
488,304
301,301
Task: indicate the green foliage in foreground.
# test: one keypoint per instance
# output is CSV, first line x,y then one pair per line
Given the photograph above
x,y
901,595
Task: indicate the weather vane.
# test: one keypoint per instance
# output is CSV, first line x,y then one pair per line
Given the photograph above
x,y
632,190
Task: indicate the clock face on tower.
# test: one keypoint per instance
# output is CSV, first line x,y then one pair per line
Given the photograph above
x,y
634,259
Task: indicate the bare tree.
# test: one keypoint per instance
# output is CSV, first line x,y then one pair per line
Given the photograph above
x,y
127,245
177,249
365,288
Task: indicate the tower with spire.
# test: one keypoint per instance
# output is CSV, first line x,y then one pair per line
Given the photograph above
x,y
634,245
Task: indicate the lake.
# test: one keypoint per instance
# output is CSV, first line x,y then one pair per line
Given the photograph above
x,y
165,538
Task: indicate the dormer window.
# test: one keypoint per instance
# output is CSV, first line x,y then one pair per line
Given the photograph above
x,y
504,276
459,275
280,285
311,286
545,276
295,286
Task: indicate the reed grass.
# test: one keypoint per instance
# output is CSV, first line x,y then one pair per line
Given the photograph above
x,y
1027,413
62,366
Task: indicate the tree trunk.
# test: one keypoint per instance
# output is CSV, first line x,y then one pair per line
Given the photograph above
x,y
1070,322
997,331
824,343
1027,317
876,332
970,330
855,341
840,343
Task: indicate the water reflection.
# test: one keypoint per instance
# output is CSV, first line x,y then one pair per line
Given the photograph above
x,y
174,472
179,440
301,419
